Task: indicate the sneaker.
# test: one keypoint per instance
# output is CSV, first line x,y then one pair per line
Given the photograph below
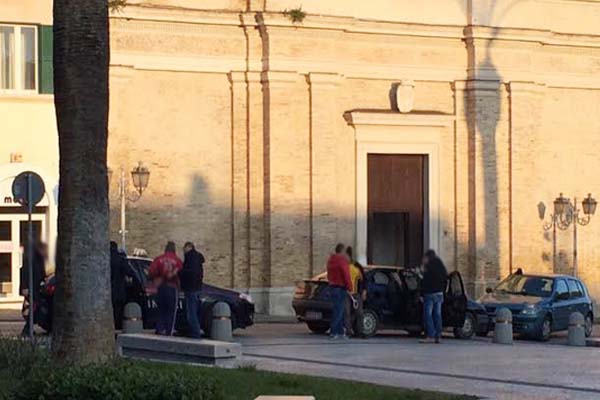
x,y
334,337
427,340
437,340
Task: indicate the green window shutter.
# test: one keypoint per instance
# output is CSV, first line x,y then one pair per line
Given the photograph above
x,y
45,68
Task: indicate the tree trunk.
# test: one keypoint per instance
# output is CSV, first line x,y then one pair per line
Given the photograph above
x,y
83,327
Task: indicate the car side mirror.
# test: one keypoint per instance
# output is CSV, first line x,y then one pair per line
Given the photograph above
x,y
489,290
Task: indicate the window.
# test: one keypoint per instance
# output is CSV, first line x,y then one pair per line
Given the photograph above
x,y
562,291
574,289
18,58
527,285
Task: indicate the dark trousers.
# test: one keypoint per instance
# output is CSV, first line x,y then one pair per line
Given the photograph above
x,y
192,313
166,300
118,309
338,296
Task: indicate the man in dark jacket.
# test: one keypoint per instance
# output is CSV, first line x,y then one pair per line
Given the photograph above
x,y
433,286
118,270
40,256
191,277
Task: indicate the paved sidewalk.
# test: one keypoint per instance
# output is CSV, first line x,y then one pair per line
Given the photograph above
x,y
526,370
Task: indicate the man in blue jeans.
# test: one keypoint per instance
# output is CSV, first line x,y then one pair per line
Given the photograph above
x,y
433,286
191,277
338,277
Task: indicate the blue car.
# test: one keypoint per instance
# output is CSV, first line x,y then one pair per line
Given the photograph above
x,y
540,304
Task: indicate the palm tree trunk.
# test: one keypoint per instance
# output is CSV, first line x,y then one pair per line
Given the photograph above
x,y
83,328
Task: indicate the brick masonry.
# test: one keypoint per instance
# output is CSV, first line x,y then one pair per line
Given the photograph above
x,y
240,118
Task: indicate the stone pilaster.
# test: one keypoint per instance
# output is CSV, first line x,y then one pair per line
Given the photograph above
x,y
287,189
240,257
323,146
464,260
483,104
259,265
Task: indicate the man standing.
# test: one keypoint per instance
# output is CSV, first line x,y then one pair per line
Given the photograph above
x,y
164,271
191,277
338,277
433,285
118,269
40,256
353,315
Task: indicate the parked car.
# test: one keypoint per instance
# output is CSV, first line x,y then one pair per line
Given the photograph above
x,y
540,304
140,290
393,302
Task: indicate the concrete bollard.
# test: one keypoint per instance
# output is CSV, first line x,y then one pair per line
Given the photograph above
x,y
220,328
576,329
132,318
503,329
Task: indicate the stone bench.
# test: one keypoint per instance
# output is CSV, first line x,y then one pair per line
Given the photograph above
x,y
175,349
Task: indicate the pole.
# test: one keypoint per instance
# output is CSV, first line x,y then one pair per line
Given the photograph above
x,y
575,216
123,222
30,257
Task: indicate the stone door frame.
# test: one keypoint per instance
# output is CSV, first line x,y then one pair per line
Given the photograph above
x,y
379,132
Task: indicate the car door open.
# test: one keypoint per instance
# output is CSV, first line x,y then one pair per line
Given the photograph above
x,y
455,301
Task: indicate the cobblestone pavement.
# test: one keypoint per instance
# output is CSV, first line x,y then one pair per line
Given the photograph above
x,y
527,370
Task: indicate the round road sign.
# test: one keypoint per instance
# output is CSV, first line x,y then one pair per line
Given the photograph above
x,y
20,188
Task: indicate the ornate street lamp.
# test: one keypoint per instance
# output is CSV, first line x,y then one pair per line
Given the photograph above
x,y
567,214
589,205
140,176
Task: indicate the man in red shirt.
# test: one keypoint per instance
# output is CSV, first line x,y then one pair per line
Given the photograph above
x,y
338,276
164,272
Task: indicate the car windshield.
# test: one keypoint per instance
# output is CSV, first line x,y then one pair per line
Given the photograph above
x,y
526,285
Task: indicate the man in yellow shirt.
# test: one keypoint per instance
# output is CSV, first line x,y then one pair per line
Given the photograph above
x,y
354,301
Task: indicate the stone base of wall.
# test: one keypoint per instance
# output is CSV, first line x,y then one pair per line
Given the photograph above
x,y
275,301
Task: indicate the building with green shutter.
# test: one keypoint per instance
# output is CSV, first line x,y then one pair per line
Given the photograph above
x,y
28,138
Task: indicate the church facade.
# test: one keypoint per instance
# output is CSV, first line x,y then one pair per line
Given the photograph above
x,y
274,129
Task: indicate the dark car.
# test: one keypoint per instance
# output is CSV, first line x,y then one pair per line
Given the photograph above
x,y
393,302
141,291
540,304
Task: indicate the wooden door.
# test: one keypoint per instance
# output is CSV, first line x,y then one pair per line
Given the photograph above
x,y
396,192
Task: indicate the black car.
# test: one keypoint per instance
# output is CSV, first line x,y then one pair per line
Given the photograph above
x,y
540,303
141,291
393,302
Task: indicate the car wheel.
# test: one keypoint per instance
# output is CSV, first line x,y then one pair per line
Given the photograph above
x,y
319,329
468,329
589,325
545,329
370,323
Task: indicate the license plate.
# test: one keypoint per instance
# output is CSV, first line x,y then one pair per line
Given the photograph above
x,y
313,315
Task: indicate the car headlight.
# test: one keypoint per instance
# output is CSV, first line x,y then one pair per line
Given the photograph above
x,y
530,309
247,297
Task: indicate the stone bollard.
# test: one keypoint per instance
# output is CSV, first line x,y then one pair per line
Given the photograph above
x,y
132,318
220,328
503,329
576,329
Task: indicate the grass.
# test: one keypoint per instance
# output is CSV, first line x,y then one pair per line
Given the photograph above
x,y
247,383
18,360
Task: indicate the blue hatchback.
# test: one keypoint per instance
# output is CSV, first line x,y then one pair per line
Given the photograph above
x,y
540,304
